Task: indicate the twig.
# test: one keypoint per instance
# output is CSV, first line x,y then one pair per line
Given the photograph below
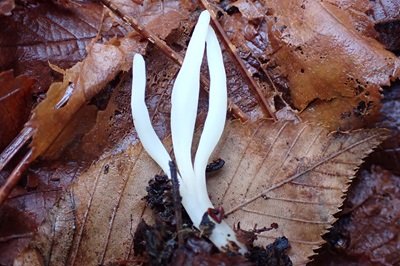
x,y
15,146
13,179
239,62
177,202
168,51
15,236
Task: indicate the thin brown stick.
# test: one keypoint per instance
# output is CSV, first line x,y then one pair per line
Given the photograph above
x,y
168,51
239,62
15,146
15,236
13,179
177,202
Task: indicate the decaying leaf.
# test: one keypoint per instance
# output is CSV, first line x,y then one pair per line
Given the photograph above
x,y
330,60
84,80
107,207
80,84
375,211
321,56
388,154
29,205
368,229
39,32
15,104
6,7
292,175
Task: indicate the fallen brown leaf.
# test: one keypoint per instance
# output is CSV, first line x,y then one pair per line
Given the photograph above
x,y
321,55
15,104
385,10
41,31
293,175
30,204
84,80
374,231
6,7
106,206
81,82
330,61
368,230
388,154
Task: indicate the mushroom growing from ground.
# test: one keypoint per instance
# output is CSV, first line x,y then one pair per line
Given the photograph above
x,y
184,102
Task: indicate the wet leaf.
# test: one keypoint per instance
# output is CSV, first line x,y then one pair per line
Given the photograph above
x,y
15,104
39,32
328,59
292,175
385,10
373,230
388,154
83,81
27,206
322,56
367,232
6,7
80,84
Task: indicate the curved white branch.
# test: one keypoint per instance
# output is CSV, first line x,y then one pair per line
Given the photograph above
x,y
185,96
216,116
141,118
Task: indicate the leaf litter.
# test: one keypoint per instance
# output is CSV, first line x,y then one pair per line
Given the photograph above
x,y
278,80
109,205
367,232
326,78
16,101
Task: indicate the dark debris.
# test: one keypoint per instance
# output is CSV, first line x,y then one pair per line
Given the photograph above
x,y
158,243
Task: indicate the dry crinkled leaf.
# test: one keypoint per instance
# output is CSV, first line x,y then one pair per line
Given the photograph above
x,y
15,104
295,174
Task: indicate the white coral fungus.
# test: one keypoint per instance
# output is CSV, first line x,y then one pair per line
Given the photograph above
x,y
185,94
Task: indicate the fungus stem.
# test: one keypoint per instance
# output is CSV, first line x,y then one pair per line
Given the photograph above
x,y
184,102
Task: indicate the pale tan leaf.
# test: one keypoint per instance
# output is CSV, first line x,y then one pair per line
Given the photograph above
x,y
95,221
293,175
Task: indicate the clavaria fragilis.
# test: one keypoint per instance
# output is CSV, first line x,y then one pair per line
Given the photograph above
x,y
184,103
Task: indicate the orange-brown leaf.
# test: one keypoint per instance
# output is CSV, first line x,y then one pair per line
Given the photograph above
x,y
325,57
15,104
80,84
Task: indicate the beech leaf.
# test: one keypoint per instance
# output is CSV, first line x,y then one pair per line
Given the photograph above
x,y
292,175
